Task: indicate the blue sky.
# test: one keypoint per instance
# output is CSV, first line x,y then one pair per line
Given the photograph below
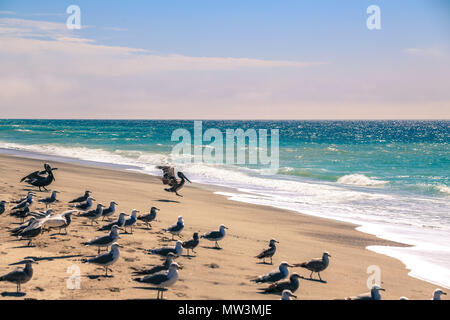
x,y
330,37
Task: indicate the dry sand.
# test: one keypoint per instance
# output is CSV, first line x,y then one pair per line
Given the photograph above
x,y
211,274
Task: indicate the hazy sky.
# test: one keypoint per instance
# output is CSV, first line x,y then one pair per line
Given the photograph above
x,y
232,59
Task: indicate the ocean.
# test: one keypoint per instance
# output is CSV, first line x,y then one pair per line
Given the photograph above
x,y
389,177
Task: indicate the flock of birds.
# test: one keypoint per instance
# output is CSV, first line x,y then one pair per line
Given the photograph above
x,y
160,276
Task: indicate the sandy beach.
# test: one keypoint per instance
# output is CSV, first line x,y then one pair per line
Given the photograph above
x,y
211,273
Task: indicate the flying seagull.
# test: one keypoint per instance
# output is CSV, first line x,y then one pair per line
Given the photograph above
x,y
170,179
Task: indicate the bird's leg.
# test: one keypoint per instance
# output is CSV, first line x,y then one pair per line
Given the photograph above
x,y
106,269
310,276
162,294
319,276
271,262
98,252
178,194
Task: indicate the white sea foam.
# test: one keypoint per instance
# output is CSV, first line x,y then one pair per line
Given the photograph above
x,y
360,180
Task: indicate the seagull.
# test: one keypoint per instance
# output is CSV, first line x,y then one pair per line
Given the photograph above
x,y
20,275
316,265
2,207
437,294
83,198
287,294
191,244
28,200
374,294
162,279
215,235
23,199
17,230
169,179
30,232
38,180
85,205
176,228
49,200
104,241
275,275
120,222
22,213
164,266
164,251
149,217
106,259
131,221
292,285
269,252
110,210
59,221
93,214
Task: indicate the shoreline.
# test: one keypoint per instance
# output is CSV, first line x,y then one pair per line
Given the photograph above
x,y
291,229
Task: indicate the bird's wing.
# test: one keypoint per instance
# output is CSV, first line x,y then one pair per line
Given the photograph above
x,y
32,175
156,278
212,235
101,259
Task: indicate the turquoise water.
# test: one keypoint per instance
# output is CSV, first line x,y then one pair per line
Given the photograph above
x,y
390,177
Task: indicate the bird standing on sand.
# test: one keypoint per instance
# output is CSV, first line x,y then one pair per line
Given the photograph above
x,y
170,179
437,294
28,200
104,241
84,205
23,199
106,259
22,213
316,265
131,221
292,284
49,200
2,207
149,217
120,222
191,244
108,212
20,275
93,214
164,251
16,231
176,228
287,294
164,266
83,198
162,279
38,179
374,294
31,232
59,221
215,235
275,275
269,252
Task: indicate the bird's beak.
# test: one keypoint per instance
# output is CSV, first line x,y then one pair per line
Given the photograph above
x,y
180,267
93,199
294,296
290,265
54,169
157,209
329,256
382,289
444,293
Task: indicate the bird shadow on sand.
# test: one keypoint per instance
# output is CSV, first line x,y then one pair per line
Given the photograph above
x,y
212,248
100,276
37,259
266,263
311,279
13,294
167,201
